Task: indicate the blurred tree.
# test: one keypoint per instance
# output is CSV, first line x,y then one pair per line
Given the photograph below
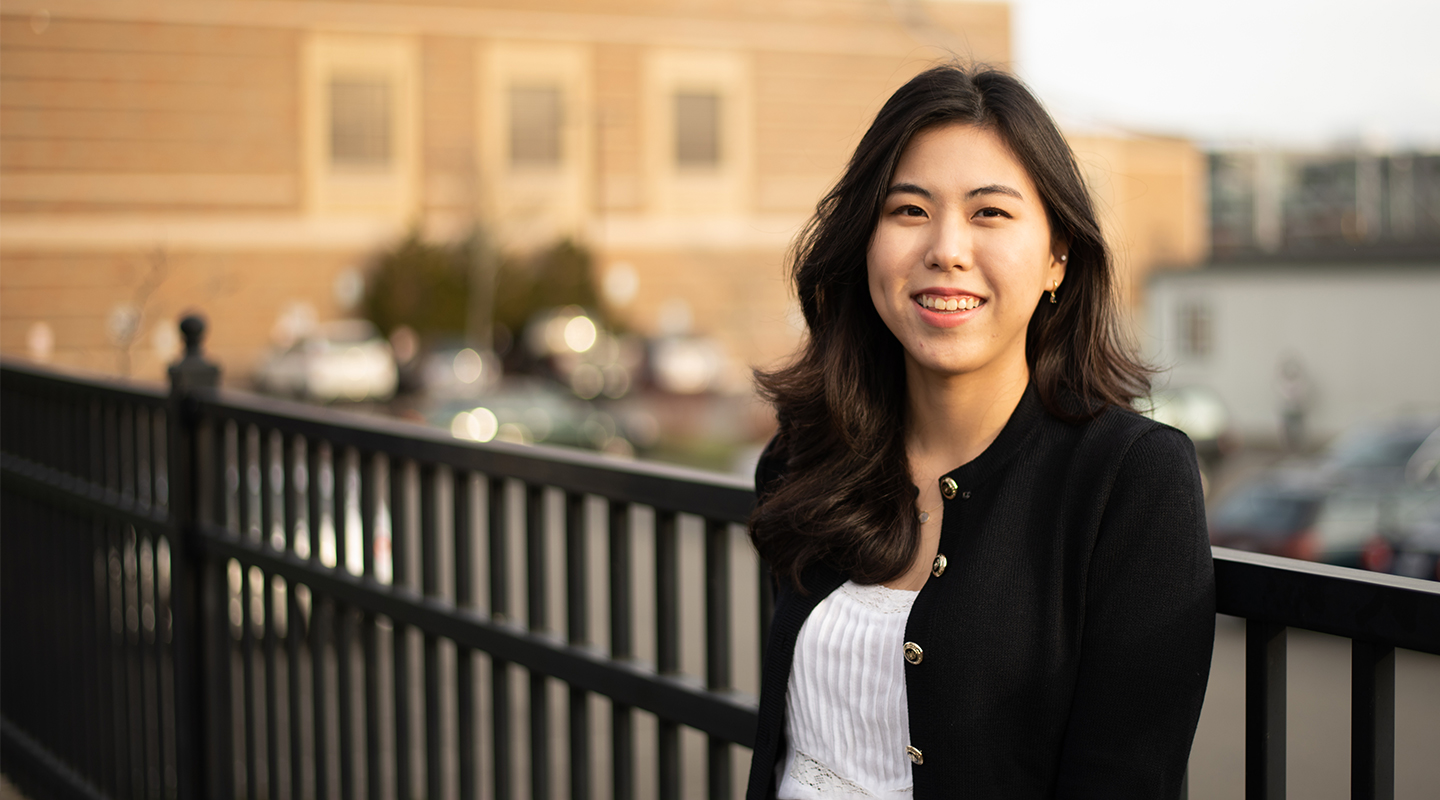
x,y
559,275
419,284
427,286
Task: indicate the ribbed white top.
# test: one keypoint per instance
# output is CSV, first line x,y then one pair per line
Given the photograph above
x,y
845,710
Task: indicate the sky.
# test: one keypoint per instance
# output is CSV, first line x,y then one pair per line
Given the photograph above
x,y
1239,72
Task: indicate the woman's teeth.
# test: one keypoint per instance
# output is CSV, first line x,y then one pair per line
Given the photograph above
x,y
935,303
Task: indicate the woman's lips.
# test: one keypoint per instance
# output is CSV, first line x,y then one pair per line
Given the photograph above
x,y
946,303
943,309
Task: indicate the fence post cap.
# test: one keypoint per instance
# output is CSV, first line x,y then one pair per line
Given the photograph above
x,y
193,370
192,330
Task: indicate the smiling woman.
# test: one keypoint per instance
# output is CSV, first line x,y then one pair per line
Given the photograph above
x,y
960,254
993,577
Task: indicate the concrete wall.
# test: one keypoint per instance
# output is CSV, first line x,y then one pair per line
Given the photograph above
x,y
1364,335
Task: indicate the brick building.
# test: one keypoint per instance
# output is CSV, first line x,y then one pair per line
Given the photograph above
x,y
247,157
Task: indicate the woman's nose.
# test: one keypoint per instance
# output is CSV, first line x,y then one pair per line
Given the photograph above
x,y
949,246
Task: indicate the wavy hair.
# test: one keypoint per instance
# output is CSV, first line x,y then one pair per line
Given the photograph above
x,y
847,497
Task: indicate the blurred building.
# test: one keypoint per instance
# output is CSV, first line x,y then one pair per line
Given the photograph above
x,y
247,158
1342,204
1337,343
1320,298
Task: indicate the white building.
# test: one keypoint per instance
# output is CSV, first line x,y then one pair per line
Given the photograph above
x,y
1345,342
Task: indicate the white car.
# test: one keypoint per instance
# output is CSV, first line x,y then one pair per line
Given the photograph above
x,y
343,360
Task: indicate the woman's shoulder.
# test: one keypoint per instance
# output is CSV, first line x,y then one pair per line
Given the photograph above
x,y
1118,433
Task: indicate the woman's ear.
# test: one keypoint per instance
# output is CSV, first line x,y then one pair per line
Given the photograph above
x,y
1059,260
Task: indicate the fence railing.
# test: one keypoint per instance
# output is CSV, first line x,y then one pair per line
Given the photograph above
x,y
210,594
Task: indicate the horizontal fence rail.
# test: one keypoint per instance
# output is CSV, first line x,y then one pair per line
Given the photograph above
x,y
343,606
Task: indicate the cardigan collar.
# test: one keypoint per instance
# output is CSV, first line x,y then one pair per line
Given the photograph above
x,y
1017,430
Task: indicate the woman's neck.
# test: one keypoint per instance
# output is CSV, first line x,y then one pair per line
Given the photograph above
x,y
953,418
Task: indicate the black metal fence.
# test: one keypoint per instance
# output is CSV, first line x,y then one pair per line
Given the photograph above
x,y
209,594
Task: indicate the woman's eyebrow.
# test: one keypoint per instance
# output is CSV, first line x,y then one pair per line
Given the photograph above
x,y
994,188
909,188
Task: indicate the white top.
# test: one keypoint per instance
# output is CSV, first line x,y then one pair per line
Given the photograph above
x,y
845,710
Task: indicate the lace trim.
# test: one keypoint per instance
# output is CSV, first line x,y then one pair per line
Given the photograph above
x,y
809,772
879,597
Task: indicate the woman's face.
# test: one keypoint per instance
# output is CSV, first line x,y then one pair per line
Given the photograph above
x,y
961,254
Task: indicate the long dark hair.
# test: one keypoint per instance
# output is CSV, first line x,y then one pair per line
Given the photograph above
x,y
847,497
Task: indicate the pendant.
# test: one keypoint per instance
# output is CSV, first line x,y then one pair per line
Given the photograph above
x,y
924,517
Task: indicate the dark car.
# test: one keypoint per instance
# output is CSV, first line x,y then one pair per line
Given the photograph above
x,y
1272,518
1413,537
1383,456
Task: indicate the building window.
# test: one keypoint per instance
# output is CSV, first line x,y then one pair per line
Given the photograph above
x,y
697,129
1196,336
535,118
360,122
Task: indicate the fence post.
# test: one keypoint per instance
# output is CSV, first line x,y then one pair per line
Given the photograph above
x,y
190,373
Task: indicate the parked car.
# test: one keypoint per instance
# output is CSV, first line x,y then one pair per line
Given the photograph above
x,y
1384,455
344,360
532,412
1415,551
453,371
1411,542
1269,517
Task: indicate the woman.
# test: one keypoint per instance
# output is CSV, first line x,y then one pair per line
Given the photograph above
x,y
993,577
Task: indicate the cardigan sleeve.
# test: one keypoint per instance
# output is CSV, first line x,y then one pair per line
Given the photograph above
x,y
1148,630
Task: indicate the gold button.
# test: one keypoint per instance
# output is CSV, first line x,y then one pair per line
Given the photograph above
x,y
938,568
913,653
916,756
948,488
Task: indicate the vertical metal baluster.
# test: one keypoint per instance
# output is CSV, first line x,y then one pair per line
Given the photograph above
x,y
667,642
271,452
462,552
370,634
134,667
69,603
248,522
577,596
125,452
165,658
104,658
119,653
216,617
1372,721
340,463
430,585
622,735
270,599
321,621
1264,710
537,618
248,649
498,533
292,500
400,633
717,645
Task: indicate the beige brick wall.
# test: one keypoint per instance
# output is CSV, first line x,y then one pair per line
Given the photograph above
x,y
129,129
95,113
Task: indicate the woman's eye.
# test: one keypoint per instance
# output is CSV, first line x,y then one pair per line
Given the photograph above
x,y
910,211
992,213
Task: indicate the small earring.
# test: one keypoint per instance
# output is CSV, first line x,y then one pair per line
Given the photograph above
x,y
1064,257
1053,286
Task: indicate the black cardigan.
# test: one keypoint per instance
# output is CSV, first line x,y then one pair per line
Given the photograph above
x,y
1067,642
